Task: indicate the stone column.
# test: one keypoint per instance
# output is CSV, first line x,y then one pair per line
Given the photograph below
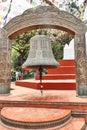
x,y
80,60
5,62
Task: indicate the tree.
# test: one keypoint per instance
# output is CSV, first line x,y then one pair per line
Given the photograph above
x,y
58,45
20,49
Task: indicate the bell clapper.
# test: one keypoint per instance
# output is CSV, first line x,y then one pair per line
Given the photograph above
x,y
40,75
41,89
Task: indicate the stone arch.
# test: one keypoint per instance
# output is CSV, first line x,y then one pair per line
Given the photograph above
x,y
52,17
45,16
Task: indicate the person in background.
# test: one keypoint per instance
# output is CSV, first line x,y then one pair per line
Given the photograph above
x,y
21,75
17,75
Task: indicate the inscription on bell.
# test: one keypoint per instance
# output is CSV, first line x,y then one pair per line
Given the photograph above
x,y
39,54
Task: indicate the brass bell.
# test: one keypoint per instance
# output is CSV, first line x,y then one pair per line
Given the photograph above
x,y
40,54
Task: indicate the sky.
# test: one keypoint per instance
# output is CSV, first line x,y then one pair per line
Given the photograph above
x,y
80,1
18,7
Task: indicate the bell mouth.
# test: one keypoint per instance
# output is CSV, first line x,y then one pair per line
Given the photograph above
x,y
43,66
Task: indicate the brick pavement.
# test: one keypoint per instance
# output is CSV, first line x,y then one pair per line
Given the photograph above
x,y
19,93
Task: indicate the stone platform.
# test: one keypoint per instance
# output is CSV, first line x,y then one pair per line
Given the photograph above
x,y
21,99
34,118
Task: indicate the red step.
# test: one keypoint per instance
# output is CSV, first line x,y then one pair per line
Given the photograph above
x,y
66,62
48,85
57,76
62,70
66,67
56,79
74,124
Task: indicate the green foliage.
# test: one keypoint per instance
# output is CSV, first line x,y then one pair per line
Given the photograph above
x,y
63,39
72,6
14,59
57,50
20,49
28,75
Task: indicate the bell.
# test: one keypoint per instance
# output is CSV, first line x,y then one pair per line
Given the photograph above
x,y
40,54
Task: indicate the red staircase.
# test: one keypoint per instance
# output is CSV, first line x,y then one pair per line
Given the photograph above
x,y
65,71
61,78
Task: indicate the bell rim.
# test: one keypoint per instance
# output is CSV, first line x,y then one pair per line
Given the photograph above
x,y
38,66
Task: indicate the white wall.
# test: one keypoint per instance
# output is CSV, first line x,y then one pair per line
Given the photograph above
x,y
68,52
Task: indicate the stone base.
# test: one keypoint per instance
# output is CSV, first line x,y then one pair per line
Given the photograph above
x,y
4,88
82,90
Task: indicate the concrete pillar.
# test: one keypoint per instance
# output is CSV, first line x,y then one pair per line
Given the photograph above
x,y
5,62
81,69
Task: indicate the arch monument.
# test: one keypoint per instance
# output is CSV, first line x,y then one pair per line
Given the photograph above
x,y
44,17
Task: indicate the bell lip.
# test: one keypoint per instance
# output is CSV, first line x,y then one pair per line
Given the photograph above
x,y
38,66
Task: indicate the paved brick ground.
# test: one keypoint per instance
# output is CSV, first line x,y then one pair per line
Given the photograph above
x,y
34,114
19,93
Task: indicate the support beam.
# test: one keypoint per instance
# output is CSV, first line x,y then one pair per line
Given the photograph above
x,y
80,61
5,62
